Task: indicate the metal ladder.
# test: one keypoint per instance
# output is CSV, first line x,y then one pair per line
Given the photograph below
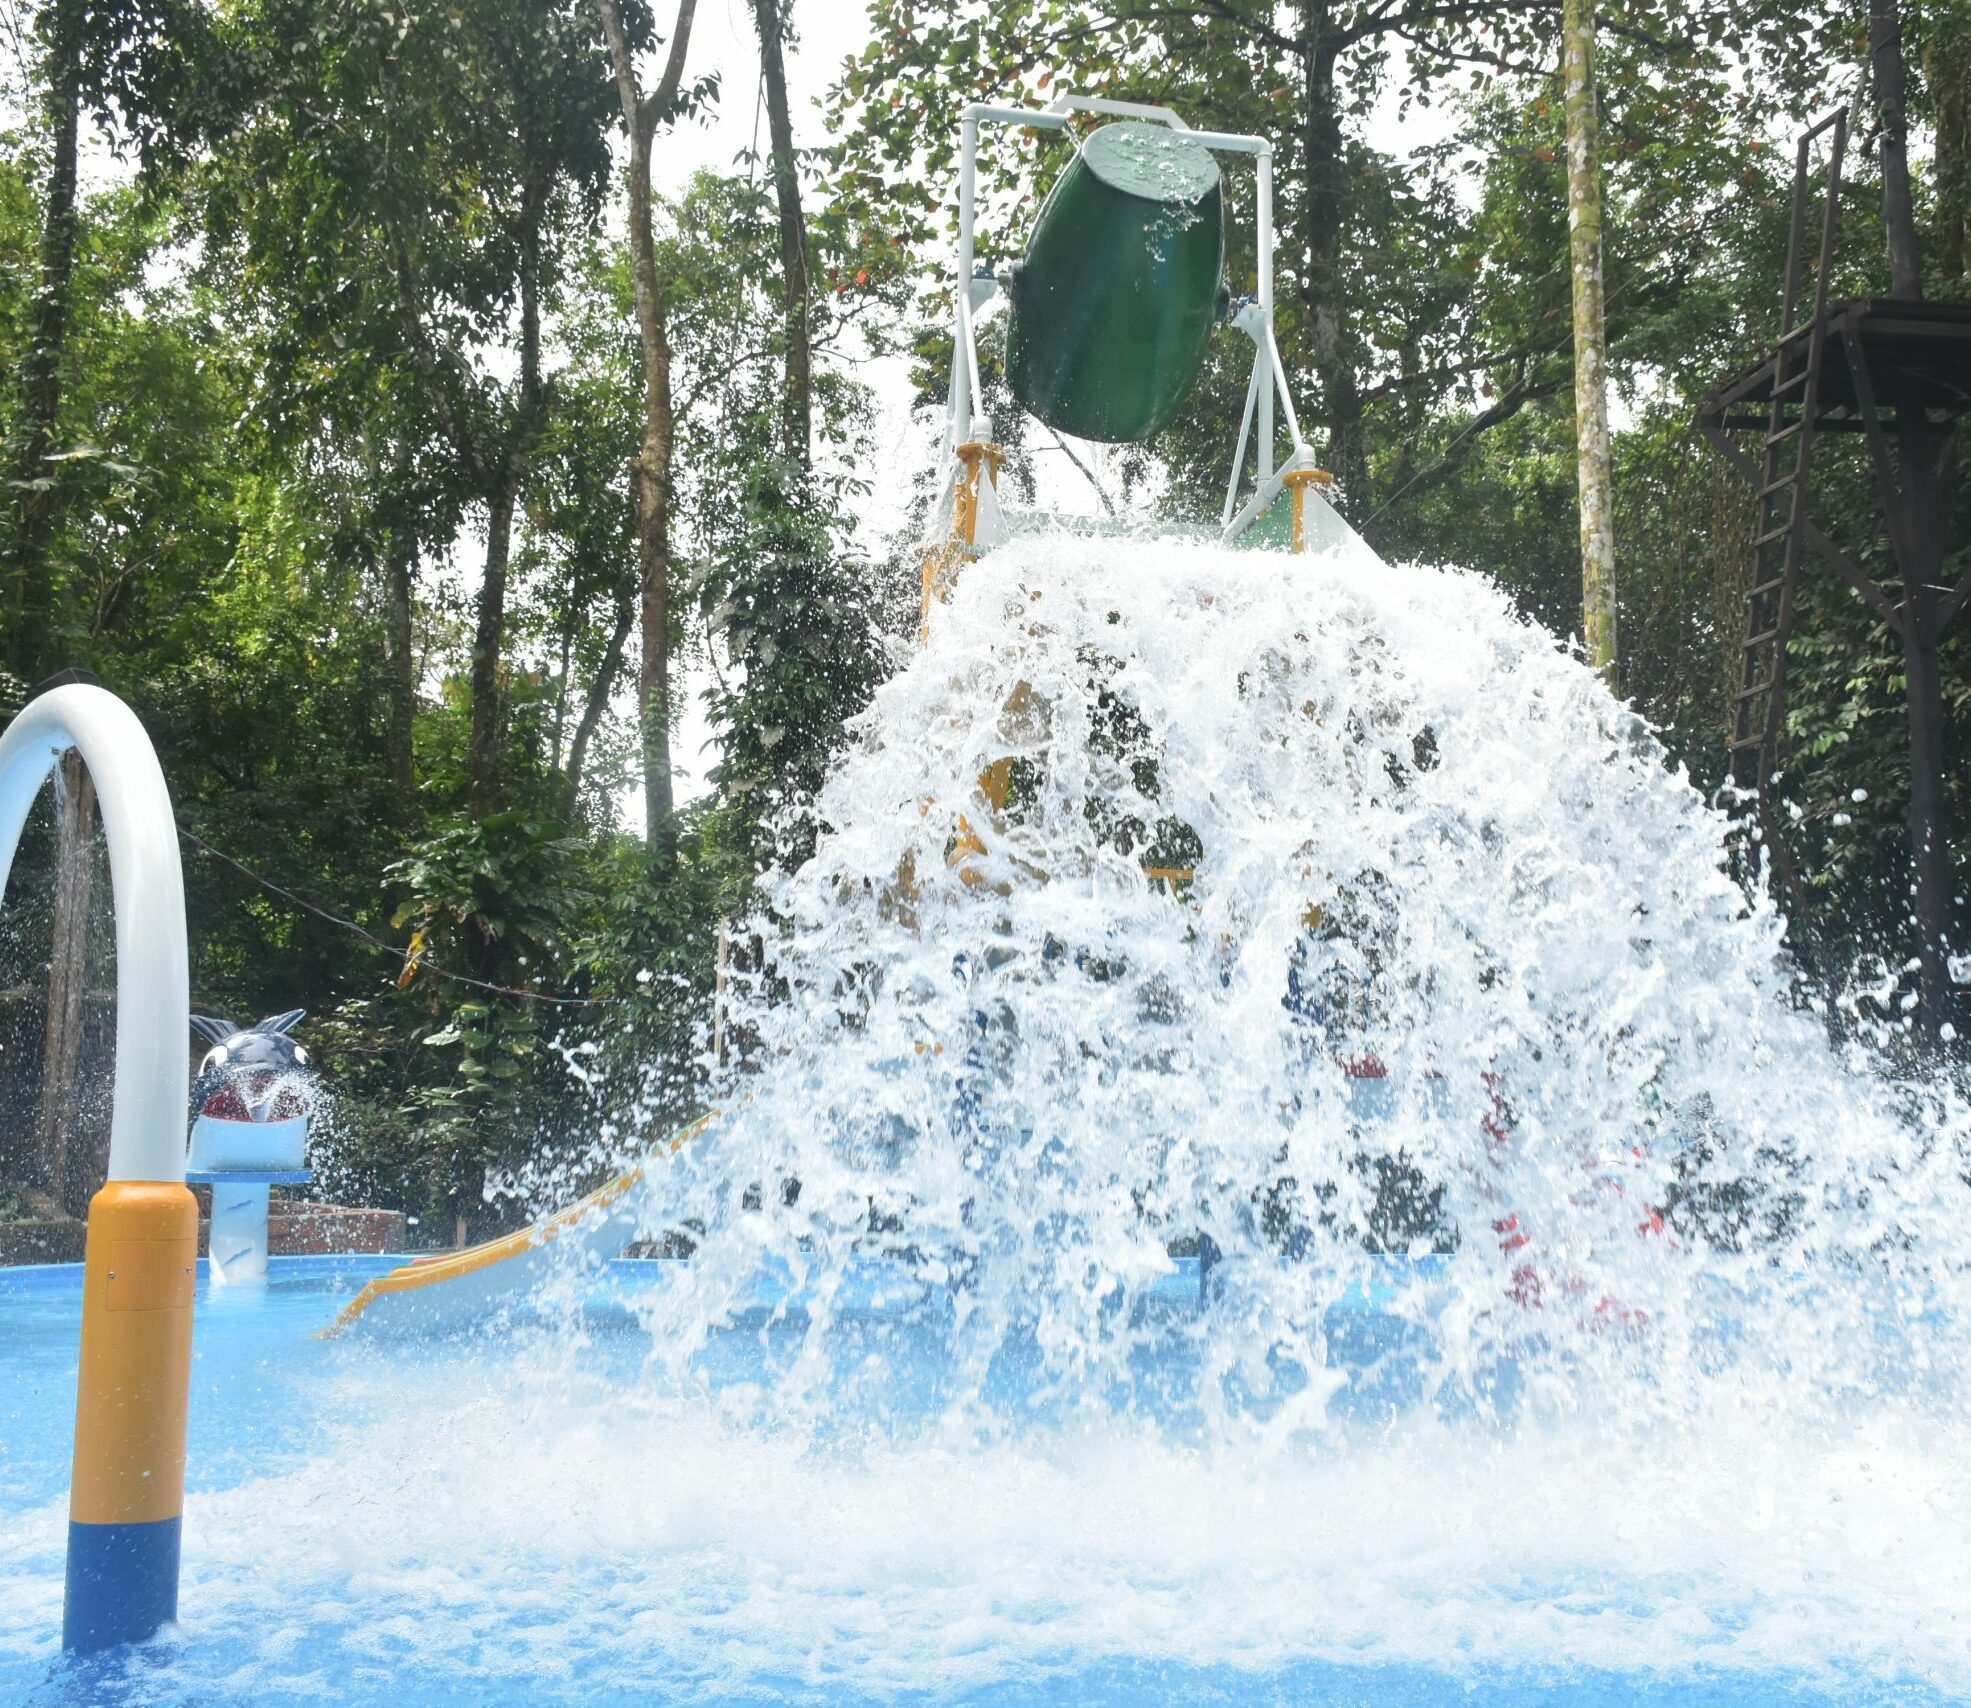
x,y
1781,495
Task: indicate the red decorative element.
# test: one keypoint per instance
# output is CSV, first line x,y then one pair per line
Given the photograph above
x,y
1511,1235
226,1104
1527,1286
229,1102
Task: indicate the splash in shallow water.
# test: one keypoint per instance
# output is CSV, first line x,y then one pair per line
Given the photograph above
x,y
528,1531
1585,1327
1322,911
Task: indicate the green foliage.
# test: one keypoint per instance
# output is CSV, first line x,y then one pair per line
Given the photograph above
x,y
789,612
295,385
792,612
505,875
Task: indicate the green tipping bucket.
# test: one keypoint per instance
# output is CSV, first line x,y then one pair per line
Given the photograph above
x,y
1112,307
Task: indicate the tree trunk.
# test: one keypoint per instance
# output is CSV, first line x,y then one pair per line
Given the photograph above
x,y
650,473
400,663
797,407
1592,461
1325,166
1885,46
598,698
41,372
483,759
60,1108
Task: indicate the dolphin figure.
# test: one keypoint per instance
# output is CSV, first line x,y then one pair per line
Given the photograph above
x,y
252,1075
249,1132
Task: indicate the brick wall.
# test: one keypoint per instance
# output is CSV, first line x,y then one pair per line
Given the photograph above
x,y
297,1229
293,1230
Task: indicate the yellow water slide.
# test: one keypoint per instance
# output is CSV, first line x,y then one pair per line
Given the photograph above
x,y
434,1295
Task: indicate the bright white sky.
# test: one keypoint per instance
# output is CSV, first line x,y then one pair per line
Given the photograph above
x,y
722,40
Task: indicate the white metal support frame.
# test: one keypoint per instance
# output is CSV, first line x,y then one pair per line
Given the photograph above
x,y
134,1370
965,414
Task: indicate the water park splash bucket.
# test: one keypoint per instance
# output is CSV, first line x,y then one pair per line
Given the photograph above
x,y
1110,314
1113,306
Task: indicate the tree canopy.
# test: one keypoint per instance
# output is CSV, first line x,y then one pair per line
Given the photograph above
x,y
330,449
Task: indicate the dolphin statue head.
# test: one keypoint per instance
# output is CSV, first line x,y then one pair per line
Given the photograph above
x,y
259,1074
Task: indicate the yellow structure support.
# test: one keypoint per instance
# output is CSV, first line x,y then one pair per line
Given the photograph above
x,y
1297,482
978,461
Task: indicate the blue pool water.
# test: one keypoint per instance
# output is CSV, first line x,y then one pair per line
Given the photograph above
x,y
554,1516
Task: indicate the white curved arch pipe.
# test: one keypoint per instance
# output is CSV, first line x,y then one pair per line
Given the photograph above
x,y
153,974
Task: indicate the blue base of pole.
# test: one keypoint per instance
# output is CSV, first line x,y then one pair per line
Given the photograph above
x,y
122,1583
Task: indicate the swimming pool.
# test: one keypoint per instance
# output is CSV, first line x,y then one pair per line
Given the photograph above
x,y
551,1516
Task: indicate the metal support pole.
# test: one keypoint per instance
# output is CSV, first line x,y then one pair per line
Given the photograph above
x,y
1279,373
1929,849
1245,433
1265,240
1920,451
127,1493
962,377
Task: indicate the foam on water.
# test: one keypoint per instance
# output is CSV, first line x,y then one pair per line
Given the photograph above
x,y
551,1536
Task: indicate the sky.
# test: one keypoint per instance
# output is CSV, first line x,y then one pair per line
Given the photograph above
x,y
722,40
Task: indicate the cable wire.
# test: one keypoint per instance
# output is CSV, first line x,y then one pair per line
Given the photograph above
x,y
413,962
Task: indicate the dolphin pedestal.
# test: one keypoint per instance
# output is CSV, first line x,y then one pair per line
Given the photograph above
x,y
249,1135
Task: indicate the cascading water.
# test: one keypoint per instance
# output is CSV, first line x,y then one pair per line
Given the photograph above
x,y
1580,1313
1444,960
1584,1327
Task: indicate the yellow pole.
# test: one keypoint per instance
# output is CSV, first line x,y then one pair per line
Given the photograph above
x,y
943,560
1297,482
128,1492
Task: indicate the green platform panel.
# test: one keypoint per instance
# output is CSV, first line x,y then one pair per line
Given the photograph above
x,y
1113,305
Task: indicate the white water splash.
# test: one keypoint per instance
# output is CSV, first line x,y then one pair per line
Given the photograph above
x,y
1427,847
973,1442
523,1531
